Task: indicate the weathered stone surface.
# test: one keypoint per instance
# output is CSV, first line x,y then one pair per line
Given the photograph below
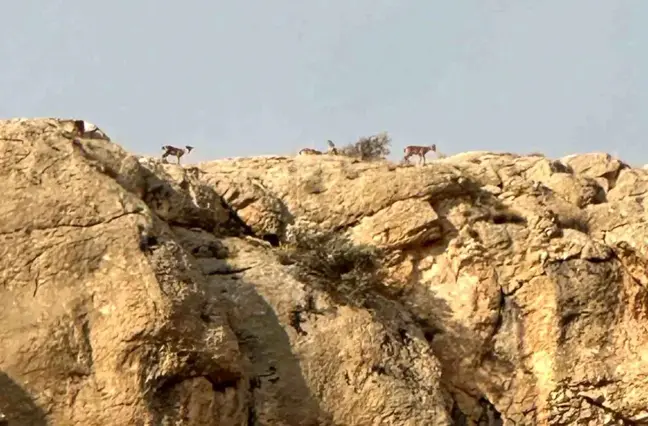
x,y
411,222
98,325
524,280
594,165
135,292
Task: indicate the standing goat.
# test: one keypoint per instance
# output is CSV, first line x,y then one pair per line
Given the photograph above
x,y
176,152
88,130
420,151
332,149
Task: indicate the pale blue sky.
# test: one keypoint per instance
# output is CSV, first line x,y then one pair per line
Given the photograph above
x,y
239,78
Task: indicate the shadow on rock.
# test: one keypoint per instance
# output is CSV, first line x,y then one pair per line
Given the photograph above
x,y
16,406
354,275
278,391
190,203
350,274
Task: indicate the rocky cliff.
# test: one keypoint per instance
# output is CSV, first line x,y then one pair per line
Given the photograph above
x,y
480,289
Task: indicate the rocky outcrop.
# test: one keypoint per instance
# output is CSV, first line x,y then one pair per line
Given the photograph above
x,y
136,292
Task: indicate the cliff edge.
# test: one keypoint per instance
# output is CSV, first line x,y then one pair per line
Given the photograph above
x,y
480,289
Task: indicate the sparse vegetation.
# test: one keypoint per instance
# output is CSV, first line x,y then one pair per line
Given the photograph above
x,y
347,272
369,148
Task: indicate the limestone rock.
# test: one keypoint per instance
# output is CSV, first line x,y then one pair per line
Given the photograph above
x,y
99,326
412,222
514,288
125,302
596,165
522,272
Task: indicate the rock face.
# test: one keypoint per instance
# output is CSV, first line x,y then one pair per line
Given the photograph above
x,y
135,292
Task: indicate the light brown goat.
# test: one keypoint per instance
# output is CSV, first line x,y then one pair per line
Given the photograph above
x,y
420,151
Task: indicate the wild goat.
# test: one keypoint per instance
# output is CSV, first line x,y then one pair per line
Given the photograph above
x,y
332,149
309,151
176,152
88,130
420,151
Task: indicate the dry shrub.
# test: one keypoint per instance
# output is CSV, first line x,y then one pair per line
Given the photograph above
x,y
369,148
347,272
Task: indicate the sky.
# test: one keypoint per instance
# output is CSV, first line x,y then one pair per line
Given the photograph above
x,y
244,78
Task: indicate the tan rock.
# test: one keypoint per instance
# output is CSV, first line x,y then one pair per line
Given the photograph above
x,y
110,316
402,224
135,292
595,165
98,325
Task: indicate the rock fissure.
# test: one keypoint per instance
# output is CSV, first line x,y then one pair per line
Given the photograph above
x,y
228,271
28,229
595,402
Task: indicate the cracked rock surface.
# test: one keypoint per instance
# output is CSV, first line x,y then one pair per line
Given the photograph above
x,y
137,292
